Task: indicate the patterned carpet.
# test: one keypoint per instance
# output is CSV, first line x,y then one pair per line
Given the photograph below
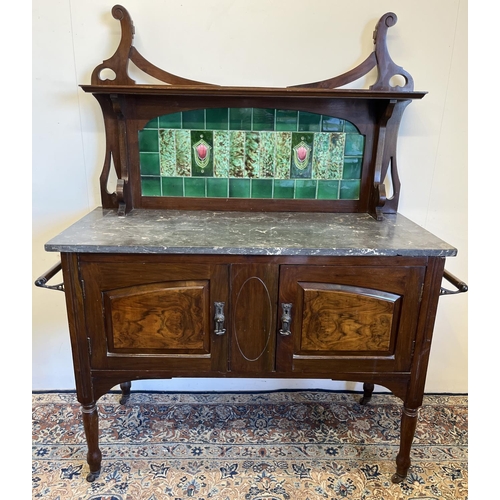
x,y
285,445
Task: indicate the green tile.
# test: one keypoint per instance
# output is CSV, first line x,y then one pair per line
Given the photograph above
x,y
202,153
172,186
262,188
167,152
349,190
283,188
151,186
217,119
286,120
354,145
237,154
263,119
173,120
283,155
332,124
150,163
217,188
194,186
302,143
240,118
328,190
309,121
328,155
148,141
183,153
305,189
194,119
350,128
266,154
239,188
352,168
152,123
221,153
252,166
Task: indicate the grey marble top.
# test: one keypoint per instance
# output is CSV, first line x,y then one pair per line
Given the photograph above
x,y
247,233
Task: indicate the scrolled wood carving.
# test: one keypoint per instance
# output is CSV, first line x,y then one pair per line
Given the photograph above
x,y
126,52
379,58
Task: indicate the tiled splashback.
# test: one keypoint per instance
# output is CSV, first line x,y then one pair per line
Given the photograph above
x,y
250,153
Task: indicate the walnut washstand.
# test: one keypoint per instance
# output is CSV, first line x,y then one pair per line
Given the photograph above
x,y
250,235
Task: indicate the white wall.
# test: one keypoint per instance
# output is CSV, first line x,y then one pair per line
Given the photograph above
x,y
249,43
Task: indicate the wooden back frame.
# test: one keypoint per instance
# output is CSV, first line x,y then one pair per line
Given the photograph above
x,y
127,107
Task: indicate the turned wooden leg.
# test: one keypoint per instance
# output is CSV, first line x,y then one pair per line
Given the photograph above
x,y
125,387
367,393
408,425
91,426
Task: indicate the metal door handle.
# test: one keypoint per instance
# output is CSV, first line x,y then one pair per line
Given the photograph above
x,y
286,319
219,318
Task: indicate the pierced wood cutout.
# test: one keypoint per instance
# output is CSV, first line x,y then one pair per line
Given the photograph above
x,y
126,52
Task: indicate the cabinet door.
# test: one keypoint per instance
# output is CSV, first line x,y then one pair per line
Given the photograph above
x,y
254,293
154,315
348,319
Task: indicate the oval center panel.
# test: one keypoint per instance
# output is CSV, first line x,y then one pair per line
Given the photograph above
x,y
252,319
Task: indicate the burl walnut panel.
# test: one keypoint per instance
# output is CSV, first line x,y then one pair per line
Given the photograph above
x,y
168,316
345,318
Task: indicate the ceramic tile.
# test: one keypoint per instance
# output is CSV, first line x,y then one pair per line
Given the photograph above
x,y
309,122
173,120
236,154
349,190
217,188
283,155
148,141
259,147
354,145
263,119
202,164
328,155
240,118
194,119
172,186
151,186
332,124
167,152
195,186
284,188
302,155
305,189
239,188
286,120
262,188
152,123
352,167
217,119
328,190
252,164
183,153
221,153
267,151
150,163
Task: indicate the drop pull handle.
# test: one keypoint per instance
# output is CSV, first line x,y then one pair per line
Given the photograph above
x,y
286,319
219,318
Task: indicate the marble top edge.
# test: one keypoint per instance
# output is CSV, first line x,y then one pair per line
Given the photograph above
x,y
247,233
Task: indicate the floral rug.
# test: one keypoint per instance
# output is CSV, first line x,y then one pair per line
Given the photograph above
x,y
284,445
